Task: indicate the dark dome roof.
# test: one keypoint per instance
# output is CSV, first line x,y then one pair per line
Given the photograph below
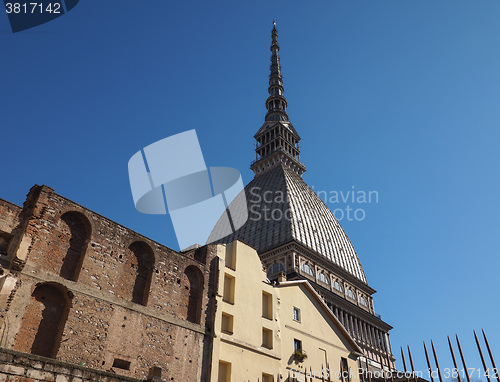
x,y
283,208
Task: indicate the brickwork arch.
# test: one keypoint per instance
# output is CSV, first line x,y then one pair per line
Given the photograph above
x,y
74,237
136,273
44,319
194,288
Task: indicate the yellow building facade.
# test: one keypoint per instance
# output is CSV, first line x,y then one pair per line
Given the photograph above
x,y
275,332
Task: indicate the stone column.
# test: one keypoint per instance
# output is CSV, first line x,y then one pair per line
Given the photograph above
x,y
360,330
372,332
351,325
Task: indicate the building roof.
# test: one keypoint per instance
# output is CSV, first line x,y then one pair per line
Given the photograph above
x,y
282,208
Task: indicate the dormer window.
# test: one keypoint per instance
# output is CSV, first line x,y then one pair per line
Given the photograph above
x,y
351,294
276,268
336,285
307,269
363,302
322,277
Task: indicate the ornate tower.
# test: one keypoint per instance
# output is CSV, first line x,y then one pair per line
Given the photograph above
x,y
277,142
295,233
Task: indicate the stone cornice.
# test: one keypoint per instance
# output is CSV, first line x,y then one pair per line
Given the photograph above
x,y
320,260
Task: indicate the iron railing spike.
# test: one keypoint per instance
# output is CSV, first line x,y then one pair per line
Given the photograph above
x,y
437,362
454,360
496,371
463,359
411,363
486,370
428,363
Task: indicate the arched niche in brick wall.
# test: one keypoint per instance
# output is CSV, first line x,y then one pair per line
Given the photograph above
x,y
136,273
194,287
74,238
43,321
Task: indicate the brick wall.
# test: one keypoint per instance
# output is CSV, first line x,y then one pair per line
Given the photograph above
x,y
128,302
9,215
9,220
20,367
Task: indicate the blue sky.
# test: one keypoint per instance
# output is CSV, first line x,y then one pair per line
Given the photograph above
x,y
397,96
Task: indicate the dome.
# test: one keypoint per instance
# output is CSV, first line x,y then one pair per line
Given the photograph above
x,y
282,208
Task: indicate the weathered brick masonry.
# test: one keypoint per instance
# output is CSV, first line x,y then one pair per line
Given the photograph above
x,y
21,367
85,290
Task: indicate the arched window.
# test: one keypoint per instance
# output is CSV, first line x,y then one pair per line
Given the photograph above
x,y
136,272
43,321
194,286
350,294
307,269
322,277
276,268
337,286
75,234
363,301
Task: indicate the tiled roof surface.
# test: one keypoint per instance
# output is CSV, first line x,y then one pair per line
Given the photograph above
x,y
282,208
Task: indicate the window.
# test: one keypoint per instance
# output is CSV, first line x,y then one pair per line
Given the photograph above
x,y
267,305
121,364
296,314
297,345
363,301
40,334
307,269
231,258
227,323
344,370
337,286
228,295
322,277
74,236
267,338
351,294
224,372
193,283
267,377
138,263
276,268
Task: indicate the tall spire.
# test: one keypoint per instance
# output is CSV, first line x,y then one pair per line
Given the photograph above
x,y
276,102
277,142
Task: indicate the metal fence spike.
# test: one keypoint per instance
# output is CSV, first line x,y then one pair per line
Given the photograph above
x,y
411,363
486,370
463,359
495,370
454,360
437,362
428,363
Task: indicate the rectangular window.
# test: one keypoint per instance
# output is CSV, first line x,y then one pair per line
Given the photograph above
x,y
121,364
227,323
344,370
296,314
231,257
324,352
267,338
224,372
267,305
297,345
228,289
267,377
